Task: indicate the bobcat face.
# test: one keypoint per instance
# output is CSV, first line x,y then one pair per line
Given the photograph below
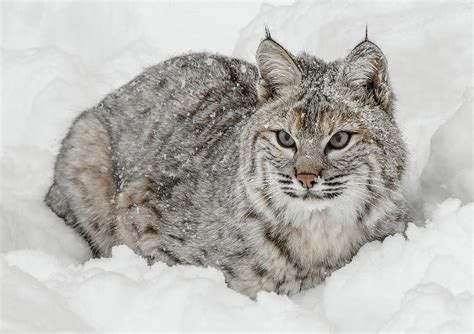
x,y
316,140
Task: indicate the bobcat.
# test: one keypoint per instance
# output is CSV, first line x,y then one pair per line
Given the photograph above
x,y
275,174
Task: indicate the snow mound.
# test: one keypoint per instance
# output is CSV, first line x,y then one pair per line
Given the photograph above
x,y
60,58
392,279
398,285
450,168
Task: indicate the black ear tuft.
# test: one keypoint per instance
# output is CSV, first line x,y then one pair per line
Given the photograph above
x,y
267,33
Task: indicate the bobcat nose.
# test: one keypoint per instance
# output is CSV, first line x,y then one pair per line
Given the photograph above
x,y
306,180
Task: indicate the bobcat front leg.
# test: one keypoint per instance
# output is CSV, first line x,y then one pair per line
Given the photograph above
x,y
138,222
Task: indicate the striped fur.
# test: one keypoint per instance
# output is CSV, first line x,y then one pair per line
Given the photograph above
x,y
182,164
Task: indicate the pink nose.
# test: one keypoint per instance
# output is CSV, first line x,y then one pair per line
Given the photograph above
x,y
307,180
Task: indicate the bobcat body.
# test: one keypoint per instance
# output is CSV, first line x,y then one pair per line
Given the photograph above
x,y
275,174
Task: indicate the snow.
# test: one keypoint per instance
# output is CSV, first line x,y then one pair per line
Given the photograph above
x,y
449,171
60,58
424,284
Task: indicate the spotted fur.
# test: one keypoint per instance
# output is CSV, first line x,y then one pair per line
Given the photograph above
x,y
183,165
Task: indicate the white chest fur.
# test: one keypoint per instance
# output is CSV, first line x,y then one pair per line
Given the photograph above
x,y
328,234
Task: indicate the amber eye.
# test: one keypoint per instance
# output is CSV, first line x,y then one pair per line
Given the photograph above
x,y
339,140
285,139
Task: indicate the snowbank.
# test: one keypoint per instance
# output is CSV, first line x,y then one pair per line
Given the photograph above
x,y
52,70
421,284
450,168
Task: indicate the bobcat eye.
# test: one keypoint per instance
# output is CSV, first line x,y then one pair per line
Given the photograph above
x,y
339,140
285,139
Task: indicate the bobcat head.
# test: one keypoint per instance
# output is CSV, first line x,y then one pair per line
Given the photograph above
x,y
323,139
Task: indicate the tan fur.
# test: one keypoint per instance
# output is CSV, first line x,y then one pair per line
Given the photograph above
x,y
89,168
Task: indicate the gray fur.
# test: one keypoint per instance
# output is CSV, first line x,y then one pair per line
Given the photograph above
x,y
182,165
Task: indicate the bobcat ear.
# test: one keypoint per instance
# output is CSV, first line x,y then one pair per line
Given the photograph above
x,y
365,71
278,71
